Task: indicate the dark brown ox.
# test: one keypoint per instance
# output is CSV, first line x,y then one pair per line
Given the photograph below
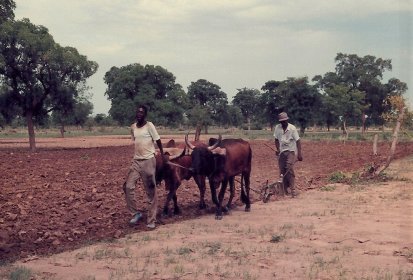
x,y
221,162
174,172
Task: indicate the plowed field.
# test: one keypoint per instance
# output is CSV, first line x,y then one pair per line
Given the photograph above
x,y
62,198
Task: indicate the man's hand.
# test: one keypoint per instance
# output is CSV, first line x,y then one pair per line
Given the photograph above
x,y
165,158
277,153
300,157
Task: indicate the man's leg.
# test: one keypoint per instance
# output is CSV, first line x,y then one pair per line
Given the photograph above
x,y
290,160
148,178
282,164
129,188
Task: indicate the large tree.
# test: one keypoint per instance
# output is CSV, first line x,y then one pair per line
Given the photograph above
x,y
211,102
270,102
364,74
38,72
300,100
247,100
153,86
344,103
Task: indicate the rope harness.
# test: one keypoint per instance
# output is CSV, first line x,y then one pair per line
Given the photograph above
x,y
178,165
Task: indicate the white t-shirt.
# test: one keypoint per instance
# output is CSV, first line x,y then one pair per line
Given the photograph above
x,y
144,138
287,139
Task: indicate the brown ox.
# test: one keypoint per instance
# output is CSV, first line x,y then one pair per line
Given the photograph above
x,y
174,172
221,162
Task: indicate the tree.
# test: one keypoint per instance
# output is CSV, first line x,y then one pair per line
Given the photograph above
x,y
397,115
76,115
365,75
199,116
8,110
153,86
170,110
300,99
39,72
247,100
103,119
328,113
233,116
7,10
210,101
270,102
344,103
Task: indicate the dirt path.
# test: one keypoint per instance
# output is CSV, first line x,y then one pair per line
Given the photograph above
x,y
336,232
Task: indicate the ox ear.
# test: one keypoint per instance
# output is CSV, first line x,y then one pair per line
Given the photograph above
x,y
172,152
219,151
170,144
216,143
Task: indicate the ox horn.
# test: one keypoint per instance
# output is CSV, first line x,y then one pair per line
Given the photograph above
x,y
188,143
216,144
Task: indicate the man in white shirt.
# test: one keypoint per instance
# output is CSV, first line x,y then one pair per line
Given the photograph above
x,y
143,134
287,143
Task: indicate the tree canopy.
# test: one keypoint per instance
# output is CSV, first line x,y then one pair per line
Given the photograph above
x,y
363,74
153,86
209,103
38,74
247,100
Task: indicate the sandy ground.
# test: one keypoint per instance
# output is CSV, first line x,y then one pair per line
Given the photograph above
x,y
335,231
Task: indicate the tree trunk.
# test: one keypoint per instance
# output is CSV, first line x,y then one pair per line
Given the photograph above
x,y
393,144
62,130
30,128
198,132
363,123
345,131
206,129
376,137
249,123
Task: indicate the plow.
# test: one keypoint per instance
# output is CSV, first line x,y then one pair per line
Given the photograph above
x,y
267,190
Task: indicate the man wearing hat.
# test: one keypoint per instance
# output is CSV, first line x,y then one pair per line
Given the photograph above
x,y
287,143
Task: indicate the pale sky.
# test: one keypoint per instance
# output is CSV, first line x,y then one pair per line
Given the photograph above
x,y
234,44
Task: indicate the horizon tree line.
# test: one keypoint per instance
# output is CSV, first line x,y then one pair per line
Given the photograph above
x,y
43,83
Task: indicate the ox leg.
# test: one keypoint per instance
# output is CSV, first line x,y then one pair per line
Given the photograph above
x,y
170,195
231,192
218,215
177,211
213,193
200,181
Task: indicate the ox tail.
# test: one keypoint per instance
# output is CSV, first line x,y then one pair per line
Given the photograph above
x,y
243,191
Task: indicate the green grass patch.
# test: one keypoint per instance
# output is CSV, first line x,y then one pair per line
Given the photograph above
x,y
328,188
337,177
21,273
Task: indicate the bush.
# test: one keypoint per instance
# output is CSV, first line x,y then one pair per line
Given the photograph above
x,y
337,177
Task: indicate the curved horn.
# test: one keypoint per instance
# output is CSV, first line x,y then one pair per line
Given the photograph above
x,y
216,144
188,143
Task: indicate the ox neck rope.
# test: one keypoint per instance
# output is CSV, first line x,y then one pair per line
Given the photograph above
x,y
178,165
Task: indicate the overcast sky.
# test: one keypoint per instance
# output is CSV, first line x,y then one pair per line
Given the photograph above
x,y
234,44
